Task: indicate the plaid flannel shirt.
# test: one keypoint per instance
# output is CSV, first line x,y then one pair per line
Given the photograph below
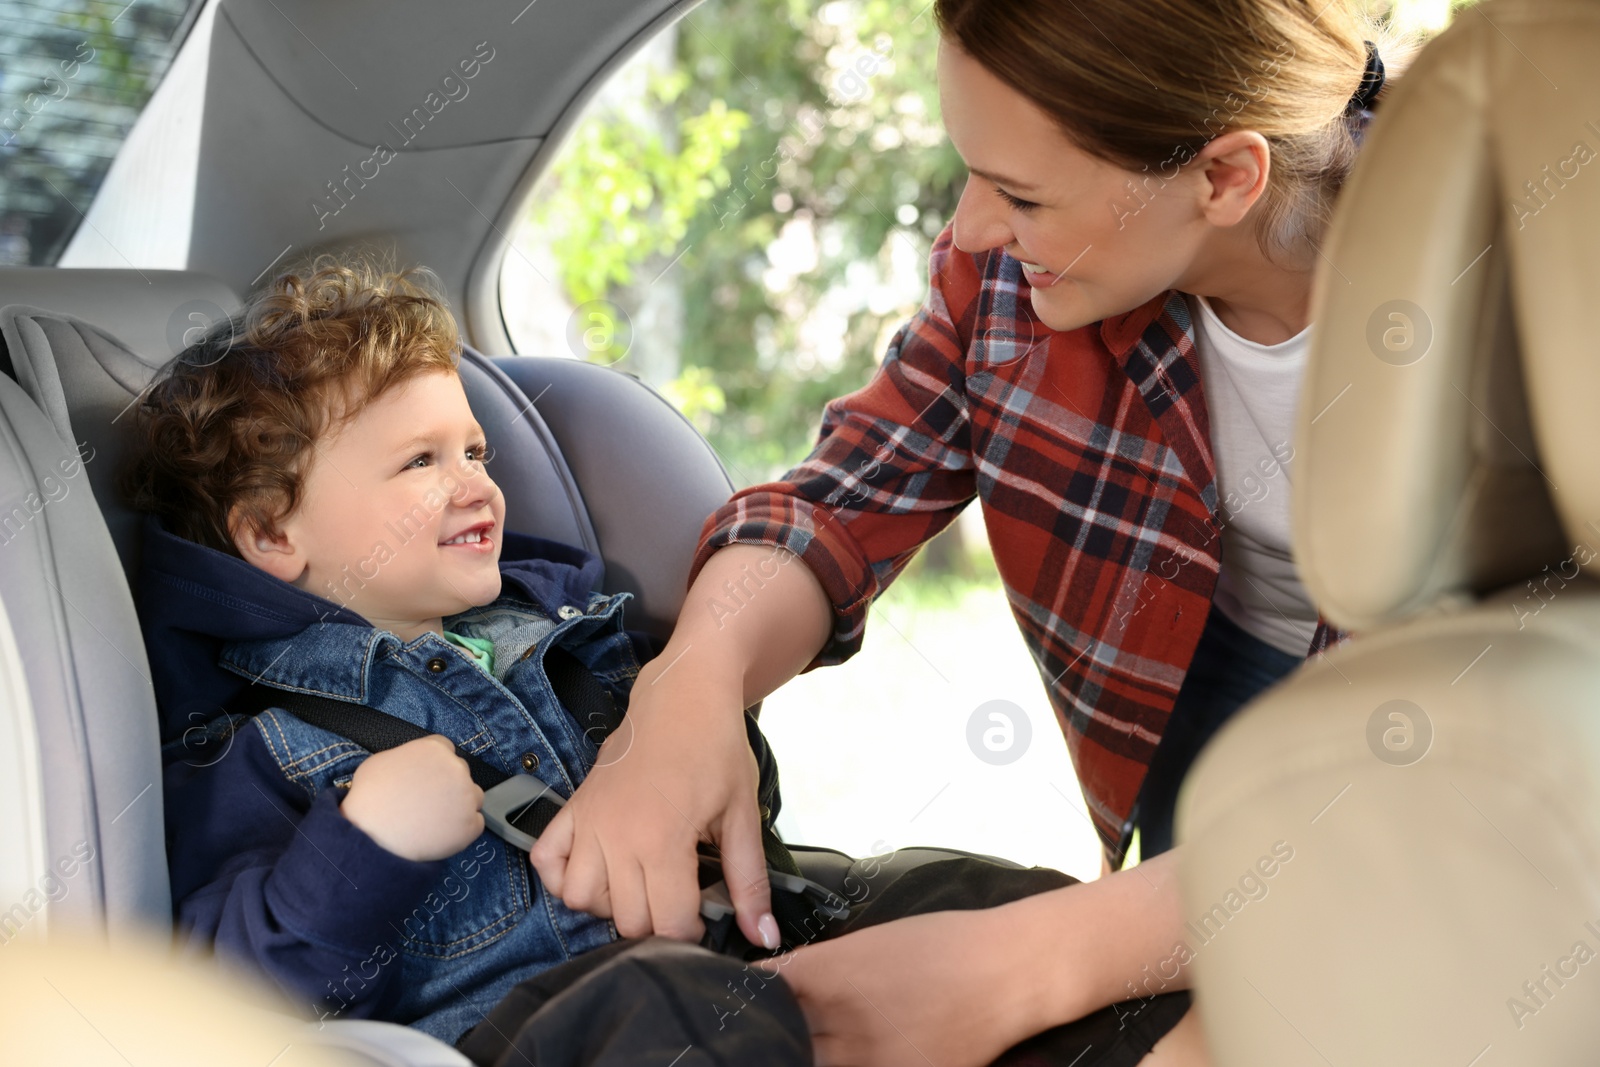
x,y
1090,451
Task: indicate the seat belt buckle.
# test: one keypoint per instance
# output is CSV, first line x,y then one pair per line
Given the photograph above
x,y
509,799
717,904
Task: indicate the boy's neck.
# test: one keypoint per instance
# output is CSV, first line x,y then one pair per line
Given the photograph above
x,y
408,632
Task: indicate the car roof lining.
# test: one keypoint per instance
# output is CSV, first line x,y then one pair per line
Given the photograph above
x,y
355,71
280,125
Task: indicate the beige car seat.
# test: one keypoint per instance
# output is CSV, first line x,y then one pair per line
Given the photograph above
x,y
1393,857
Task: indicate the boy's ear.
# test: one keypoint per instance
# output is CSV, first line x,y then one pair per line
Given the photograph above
x,y
273,553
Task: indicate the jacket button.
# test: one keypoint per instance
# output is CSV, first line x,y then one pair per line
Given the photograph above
x,y
567,611
530,761
436,665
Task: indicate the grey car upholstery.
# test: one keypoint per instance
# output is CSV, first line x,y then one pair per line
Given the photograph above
x,y
1436,781
96,768
155,312
648,478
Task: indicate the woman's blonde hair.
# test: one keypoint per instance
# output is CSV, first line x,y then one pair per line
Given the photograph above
x,y
1144,84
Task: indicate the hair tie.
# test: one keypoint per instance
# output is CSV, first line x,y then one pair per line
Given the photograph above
x,y
1371,81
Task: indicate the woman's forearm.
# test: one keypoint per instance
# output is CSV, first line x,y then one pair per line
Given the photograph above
x,y
1115,939
755,615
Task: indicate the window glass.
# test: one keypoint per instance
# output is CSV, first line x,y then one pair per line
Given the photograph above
x,y
766,179
74,76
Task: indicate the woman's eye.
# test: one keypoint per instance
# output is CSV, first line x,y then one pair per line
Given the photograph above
x,y
1016,202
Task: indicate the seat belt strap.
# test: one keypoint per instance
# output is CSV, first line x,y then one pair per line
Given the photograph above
x,y
590,703
582,695
377,731
363,724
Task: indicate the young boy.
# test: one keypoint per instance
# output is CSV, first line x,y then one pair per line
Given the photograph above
x,y
320,520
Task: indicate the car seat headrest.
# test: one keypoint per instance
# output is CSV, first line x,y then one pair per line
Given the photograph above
x,y
155,312
86,382
1445,427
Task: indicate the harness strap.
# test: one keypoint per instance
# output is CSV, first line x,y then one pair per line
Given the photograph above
x,y
366,726
579,691
588,702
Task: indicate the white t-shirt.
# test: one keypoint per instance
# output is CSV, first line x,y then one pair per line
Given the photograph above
x,y
1251,392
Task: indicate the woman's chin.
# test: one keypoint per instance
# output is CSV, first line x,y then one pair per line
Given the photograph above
x,y
1057,310
1063,306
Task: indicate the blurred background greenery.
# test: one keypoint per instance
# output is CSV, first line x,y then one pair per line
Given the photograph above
x,y
785,162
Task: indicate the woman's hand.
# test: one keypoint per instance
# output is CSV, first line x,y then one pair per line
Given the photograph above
x,y
957,988
928,989
679,770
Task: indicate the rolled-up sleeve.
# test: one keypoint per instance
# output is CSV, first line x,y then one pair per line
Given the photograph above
x,y
892,465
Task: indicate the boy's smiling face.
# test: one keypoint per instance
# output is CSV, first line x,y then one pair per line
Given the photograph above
x,y
382,494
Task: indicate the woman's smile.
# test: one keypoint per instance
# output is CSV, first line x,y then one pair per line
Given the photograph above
x,y
1038,276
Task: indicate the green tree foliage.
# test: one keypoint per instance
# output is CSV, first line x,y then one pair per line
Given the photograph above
x,y
627,194
782,111
847,135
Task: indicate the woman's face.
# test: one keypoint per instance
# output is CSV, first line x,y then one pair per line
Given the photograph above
x,y
1105,239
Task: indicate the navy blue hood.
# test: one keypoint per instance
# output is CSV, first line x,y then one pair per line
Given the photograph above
x,y
193,599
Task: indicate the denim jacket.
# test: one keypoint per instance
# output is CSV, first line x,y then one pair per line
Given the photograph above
x,y
266,868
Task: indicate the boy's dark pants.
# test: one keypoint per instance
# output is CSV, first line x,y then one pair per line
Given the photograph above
x,y
655,1002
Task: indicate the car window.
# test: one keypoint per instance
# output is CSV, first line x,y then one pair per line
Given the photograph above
x,y
764,178
74,75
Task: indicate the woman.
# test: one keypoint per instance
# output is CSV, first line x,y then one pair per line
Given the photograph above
x,y
1108,358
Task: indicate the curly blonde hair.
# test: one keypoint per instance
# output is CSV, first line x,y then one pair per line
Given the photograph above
x,y
223,438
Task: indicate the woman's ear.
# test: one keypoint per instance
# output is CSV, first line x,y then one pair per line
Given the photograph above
x,y
1234,167
273,552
